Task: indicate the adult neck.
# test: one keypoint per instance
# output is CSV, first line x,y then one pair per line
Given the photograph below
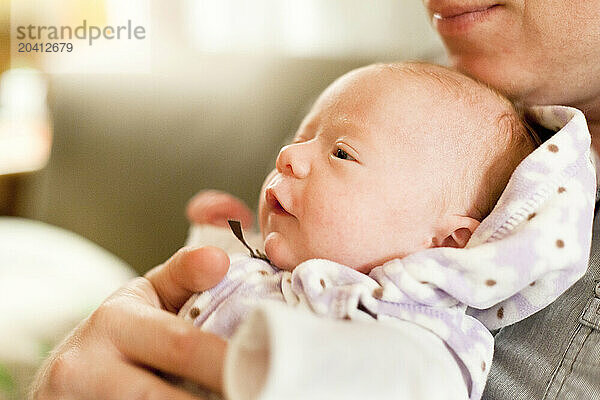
x,y
591,109
595,132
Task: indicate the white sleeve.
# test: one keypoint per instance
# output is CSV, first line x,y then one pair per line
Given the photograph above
x,y
209,235
286,353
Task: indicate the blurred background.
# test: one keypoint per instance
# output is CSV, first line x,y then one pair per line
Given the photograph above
x,y
229,81
113,152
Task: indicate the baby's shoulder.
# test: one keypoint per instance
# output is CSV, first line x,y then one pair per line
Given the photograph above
x,y
240,265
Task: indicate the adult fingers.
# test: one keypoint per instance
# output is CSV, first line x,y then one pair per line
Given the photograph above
x,y
94,370
103,357
215,208
152,337
188,271
128,381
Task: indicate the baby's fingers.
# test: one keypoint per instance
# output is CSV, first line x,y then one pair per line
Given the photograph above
x,y
187,272
215,208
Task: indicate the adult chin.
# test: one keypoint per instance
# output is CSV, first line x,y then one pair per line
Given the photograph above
x,y
513,79
492,50
278,251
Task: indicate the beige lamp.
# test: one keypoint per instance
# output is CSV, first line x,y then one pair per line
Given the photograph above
x,y
25,131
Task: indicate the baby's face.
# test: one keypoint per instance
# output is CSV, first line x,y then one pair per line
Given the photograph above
x,y
358,184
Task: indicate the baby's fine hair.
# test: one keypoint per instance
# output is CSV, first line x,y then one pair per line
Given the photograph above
x,y
490,166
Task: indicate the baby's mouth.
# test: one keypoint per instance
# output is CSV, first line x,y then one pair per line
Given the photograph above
x,y
274,204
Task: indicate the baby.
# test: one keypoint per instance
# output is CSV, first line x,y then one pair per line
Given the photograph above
x,y
376,212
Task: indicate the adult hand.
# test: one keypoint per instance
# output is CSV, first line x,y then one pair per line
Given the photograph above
x,y
110,354
214,207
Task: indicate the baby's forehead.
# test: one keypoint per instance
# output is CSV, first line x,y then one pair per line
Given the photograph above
x,y
432,85
443,86
396,100
448,93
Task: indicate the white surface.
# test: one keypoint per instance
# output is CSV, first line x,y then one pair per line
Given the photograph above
x,y
49,280
208,235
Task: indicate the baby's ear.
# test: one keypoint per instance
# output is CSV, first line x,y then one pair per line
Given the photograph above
x,y
455,232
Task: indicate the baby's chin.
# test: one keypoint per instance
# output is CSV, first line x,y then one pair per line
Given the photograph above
x,y
279,252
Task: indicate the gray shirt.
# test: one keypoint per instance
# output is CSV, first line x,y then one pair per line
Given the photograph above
x,y
555,353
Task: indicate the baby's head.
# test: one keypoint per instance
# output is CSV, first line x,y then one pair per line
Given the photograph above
x,y
391,159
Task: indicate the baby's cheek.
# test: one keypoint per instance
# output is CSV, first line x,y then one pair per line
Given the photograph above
x,y
333,229
262,218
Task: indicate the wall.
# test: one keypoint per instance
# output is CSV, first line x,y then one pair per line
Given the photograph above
x,y
130,150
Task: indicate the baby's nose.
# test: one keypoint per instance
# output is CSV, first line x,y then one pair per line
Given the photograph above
x,y
294,160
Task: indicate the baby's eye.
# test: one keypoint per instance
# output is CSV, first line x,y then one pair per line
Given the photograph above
x,y
339,153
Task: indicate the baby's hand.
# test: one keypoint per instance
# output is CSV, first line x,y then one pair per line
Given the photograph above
x,y
214,207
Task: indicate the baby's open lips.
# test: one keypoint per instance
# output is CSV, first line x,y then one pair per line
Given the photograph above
x,y
273,202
